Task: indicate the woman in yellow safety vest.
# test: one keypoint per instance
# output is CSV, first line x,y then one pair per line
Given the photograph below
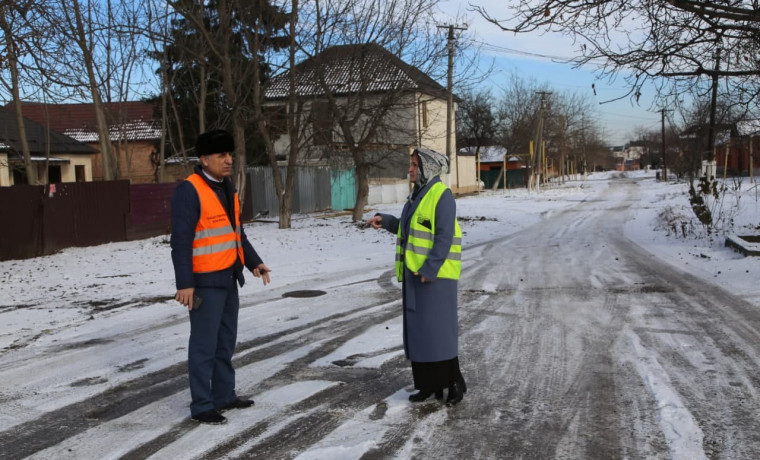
x,y
428,264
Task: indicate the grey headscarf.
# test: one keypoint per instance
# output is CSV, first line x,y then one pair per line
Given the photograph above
x,y
432,164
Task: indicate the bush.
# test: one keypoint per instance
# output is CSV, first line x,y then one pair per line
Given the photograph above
x,y
674,222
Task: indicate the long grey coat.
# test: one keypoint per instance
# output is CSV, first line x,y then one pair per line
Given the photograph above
x,y
431,327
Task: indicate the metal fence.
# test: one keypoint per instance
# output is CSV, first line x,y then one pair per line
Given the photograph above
x,y
314,189
41,220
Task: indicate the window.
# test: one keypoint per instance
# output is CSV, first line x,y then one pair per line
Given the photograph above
x,y
79,173
424,110
277,119
321,123
54,174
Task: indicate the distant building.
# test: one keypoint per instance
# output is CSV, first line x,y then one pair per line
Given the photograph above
x,y
628,157
494,161
737,149
134,134
56,157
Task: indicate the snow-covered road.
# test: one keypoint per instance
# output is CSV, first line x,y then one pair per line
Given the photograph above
x,y
575,342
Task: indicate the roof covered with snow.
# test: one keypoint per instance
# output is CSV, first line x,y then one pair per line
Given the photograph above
x,y
748,127
488,154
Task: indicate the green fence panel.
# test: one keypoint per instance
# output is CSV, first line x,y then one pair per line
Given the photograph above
x,y
343,189
515,178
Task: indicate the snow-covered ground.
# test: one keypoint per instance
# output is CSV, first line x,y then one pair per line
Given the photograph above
x,y
125,288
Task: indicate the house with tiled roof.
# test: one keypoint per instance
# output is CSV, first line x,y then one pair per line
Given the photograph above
x,y
364,80
134,133
56,157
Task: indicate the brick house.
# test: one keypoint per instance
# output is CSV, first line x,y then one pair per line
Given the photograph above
x,y
737,150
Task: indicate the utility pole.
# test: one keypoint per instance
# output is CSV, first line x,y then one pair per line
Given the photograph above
x,y
453,162
563,147
713,103
583,146
664,162
537,167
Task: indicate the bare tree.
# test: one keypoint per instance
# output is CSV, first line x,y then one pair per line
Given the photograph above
x,y
476,121
517,112
675,38
84,50
257,35
676,44
293,121
570,131
80,26
355,114
11,24
476,125
224,27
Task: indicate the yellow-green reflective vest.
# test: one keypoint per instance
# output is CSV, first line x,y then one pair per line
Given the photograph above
x,y
420,239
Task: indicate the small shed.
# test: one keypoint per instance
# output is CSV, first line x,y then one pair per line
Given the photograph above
x,y
493,167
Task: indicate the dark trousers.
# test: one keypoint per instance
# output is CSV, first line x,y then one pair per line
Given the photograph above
x,y
213,334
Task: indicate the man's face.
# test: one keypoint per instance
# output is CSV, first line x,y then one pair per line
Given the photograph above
x,y
217,165
414,168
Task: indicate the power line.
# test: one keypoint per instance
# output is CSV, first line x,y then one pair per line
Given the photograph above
x,y
618,114
505,50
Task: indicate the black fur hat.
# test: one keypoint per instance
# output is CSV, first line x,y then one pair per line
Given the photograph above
x,y
215,141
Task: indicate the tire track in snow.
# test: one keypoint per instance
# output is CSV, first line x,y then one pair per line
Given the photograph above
x,y
55,426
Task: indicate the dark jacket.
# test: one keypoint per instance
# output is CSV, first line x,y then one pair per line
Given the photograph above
x,y
431,326
186,210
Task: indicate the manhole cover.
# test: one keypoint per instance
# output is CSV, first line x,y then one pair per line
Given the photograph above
x,y
305,293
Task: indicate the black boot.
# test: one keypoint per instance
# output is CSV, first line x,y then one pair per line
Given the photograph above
x,y
456,393
420,396
439,394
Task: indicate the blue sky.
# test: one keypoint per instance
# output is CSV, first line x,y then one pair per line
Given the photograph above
x,y
531,56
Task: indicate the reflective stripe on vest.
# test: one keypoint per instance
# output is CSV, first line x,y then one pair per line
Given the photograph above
x,y
421,236
216,244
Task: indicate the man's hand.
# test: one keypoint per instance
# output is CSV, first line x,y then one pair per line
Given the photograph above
x,y
374,222
422,278
262,271
185,297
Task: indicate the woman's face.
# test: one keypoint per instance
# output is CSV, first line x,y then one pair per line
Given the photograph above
x,y
414,168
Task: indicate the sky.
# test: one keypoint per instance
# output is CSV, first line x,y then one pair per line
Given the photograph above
x,y
534,56
44,323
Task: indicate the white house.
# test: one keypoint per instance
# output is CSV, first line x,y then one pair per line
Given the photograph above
x,y
391,108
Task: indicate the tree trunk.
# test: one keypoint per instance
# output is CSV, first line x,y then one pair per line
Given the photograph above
x,y
362,190
202,98
228,83
103,135
258,111
10,46
286,203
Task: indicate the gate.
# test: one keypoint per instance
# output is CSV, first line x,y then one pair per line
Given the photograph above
x,y
343,189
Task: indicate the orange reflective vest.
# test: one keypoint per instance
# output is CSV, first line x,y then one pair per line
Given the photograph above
x,y
216,243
